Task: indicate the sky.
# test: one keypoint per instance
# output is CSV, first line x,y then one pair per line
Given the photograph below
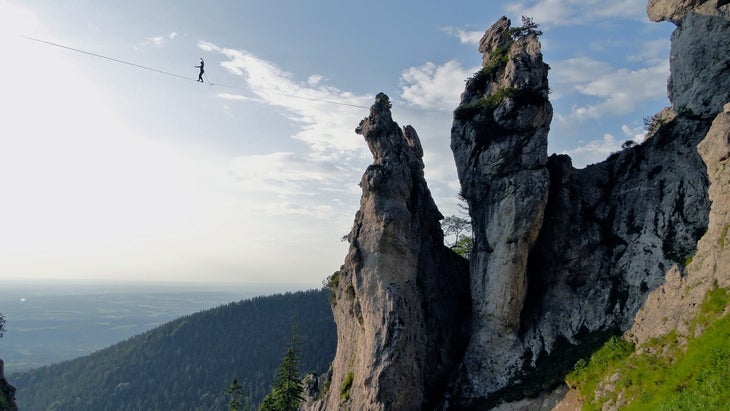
x,y
136,172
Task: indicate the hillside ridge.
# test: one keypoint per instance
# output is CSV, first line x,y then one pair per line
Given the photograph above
x,y
187,363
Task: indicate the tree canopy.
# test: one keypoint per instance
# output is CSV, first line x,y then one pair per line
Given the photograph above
x,y
187,364
456,226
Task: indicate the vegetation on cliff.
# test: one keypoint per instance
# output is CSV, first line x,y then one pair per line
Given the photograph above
x,y
668,373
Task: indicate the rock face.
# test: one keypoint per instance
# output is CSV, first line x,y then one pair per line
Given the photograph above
x,y
563,258
400,301
676,10
673,10
499,139
608,235
675,303
7,392
700,81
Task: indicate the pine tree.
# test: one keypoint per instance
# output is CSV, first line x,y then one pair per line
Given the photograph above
x,y
269,403
286,393
235,392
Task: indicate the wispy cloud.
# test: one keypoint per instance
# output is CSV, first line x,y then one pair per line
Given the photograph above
x,y
465,37
576,12
312,181
654,52
281,176
594,151
636,134
616,91
434,87
324,113
159,41
315,182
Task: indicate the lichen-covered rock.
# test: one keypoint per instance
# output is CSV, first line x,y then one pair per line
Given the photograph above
x,y
401,300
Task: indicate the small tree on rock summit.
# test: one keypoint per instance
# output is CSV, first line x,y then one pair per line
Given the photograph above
x,y
528,27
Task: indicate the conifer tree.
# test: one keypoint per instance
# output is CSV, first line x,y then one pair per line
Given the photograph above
x,y
269,403
234,391
286,393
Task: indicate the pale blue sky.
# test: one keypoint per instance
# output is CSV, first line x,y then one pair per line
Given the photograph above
x,y
110,171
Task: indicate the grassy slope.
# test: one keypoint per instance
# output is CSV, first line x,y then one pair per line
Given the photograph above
x,y
667,373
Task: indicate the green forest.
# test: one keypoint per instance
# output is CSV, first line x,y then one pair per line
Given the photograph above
x,y
187,364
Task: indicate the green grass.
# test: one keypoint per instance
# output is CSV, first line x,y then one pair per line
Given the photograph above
x,y
696,380
713,305
586,375
667,374
346,385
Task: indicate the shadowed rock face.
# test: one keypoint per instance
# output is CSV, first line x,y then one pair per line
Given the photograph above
x,y
563,257
700,81
672,306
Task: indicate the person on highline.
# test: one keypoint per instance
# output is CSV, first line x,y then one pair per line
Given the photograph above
x,y
200,76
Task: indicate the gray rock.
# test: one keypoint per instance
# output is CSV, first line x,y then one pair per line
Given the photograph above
x,y
673,10
700,64
611,232
499,139
563,258
401,301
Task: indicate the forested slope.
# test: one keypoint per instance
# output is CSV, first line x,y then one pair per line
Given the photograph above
x,y
187,363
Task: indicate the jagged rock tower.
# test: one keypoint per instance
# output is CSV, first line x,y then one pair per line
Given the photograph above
x,y
400,301
499,139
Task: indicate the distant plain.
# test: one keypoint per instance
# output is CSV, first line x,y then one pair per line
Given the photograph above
x,y
55,321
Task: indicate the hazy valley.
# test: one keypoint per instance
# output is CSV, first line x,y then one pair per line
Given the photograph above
x,y
53,322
